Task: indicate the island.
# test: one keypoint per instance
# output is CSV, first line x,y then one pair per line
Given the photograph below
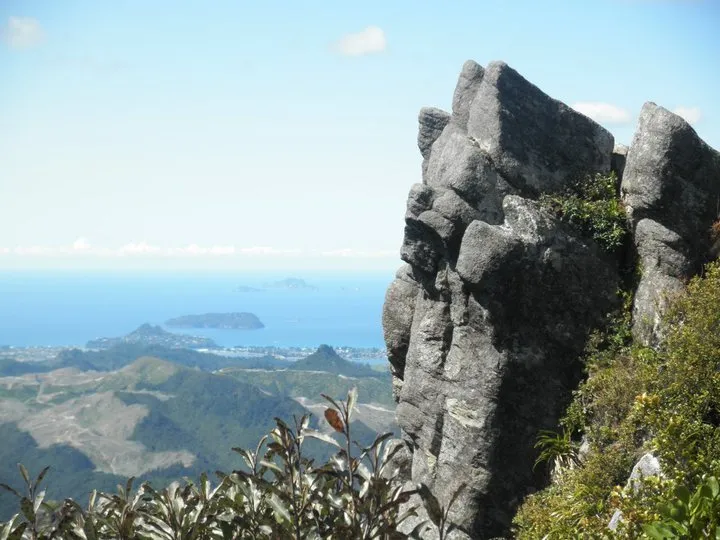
x,y
223,321
291,283
246,289
148,334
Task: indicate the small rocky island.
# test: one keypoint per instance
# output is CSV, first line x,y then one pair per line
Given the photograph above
x,y
291,283
148,334
223,321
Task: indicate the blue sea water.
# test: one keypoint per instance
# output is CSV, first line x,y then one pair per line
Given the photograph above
x,y
42,308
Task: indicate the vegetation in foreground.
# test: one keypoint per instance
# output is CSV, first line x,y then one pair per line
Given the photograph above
x,y
279,494
146,419
637,400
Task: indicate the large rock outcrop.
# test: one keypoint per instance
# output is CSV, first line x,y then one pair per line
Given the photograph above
x,y
671,190
485,322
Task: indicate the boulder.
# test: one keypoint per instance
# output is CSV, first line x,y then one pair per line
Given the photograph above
x,y
671,190
537,143
648,465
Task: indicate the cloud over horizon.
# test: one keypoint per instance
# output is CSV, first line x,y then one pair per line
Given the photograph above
x,y
360,254
21,32
604,113
81,247
371,40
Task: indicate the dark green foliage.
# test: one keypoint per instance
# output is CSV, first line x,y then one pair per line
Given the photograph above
x,y
279,494
592,206
689,515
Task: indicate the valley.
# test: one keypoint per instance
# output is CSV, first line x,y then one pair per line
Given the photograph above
x,y
155,413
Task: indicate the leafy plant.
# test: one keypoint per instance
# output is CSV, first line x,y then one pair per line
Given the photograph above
x,y
592,205
689,515
558,450
31,503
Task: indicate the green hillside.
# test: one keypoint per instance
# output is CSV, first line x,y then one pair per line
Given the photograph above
x,y
150,414
326,359
123,354
291,383
160,420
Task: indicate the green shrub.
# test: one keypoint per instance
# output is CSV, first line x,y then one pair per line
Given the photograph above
x,y
592,206
636,399
689,515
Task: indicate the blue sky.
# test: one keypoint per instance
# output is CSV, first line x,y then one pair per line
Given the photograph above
x,y
237,134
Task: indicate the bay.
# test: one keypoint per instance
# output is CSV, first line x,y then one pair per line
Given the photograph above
x,y
54,308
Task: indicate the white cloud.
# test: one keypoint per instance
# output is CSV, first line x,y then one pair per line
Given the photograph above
x,y
605,113
222,250
141,248
690,114
368,41
82,248
21,32
81,244
360,254
265,250
34,250
194,250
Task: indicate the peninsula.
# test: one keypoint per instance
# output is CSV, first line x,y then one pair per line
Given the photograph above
x,y
148,334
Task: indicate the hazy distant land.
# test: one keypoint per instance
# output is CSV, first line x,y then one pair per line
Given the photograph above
x,y
291,283
224,321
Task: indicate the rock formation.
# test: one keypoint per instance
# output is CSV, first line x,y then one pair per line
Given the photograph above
x,y
486,321
671,190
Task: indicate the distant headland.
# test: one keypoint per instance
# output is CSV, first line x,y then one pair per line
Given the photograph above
x,y
148,334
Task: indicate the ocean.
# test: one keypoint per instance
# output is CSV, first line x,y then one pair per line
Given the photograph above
x,y
66,308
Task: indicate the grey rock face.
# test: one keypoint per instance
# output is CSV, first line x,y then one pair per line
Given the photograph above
x,y
467,86
671,189
432,122
485,322
397,320
534,141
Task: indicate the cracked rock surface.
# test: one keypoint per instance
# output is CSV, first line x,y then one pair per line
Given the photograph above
x,y
485,321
